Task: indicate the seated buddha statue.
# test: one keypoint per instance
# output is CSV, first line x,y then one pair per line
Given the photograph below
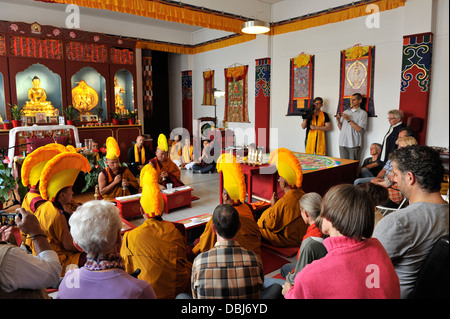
x,y
37,102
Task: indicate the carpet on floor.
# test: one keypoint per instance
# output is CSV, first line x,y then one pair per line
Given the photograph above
x,y
271,261
283,251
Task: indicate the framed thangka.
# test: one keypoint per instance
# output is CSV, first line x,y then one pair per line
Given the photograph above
x,y
208,85
236,94
357,74
301,83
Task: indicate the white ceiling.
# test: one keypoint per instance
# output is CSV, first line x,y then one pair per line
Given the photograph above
x,y
160,30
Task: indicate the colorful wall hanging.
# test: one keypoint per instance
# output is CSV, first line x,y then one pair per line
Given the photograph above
x,y
147,81
236,94
262,102
415,79
208,85
357,73
301,83
186,99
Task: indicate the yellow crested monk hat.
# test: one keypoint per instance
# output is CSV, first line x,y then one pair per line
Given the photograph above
x,y
151,200
112,148
61,172
233,177
162,143
35,161
288,166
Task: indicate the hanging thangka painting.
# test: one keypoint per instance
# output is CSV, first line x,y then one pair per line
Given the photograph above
x,y
357,73
301,83
208,85
236,94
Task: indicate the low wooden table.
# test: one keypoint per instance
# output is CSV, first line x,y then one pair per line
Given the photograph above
x,y
177,197
129,206
195,226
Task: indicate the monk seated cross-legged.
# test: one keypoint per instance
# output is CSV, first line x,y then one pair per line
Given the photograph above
x,y
115,180
167,171
281,225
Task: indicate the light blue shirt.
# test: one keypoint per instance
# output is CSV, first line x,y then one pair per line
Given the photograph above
x,y
350,137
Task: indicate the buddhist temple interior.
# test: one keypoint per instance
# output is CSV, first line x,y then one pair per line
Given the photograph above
x,y
125,69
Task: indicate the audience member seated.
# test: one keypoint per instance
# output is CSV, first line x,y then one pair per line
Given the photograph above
x,y
229,271
95,228
23,276
187,156
312,247
379,194
138,156
207,160
409,234
234,194
115,180
395,196
356,265
281,225
157,247
55,186
395,126
167,170
176,150
372,165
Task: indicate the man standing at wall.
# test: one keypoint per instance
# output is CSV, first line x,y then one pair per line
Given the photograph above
x,y
316,126
352,124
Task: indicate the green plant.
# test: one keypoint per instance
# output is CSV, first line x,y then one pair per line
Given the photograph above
x,y
99,112
69,112
16,112
115,115
8,184
131,115
91,178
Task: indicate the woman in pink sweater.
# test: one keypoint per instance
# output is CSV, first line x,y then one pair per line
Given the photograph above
x,y
356,266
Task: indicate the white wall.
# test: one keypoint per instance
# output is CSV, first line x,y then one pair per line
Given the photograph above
x,y
326,42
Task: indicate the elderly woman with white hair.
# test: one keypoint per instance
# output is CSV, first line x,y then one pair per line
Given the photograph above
x,y
389,145
95,228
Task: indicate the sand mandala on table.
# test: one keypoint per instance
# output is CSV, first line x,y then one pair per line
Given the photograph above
x,y
315,162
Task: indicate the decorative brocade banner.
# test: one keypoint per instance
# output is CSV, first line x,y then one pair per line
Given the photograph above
x,y
186,99
236,94
357,73
301,83
208,85
147,82
262,102
415,79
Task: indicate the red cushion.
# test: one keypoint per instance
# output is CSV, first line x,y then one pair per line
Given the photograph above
x,y
41,141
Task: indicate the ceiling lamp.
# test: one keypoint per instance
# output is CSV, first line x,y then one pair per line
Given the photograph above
x,y
255,27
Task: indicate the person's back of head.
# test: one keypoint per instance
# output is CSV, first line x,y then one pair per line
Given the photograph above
x,y
379,194
95,226
350,210
424,162
226,221
311,202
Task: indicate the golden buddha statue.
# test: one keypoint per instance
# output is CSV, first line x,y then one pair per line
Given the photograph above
x,y
84,98
118,100
37,102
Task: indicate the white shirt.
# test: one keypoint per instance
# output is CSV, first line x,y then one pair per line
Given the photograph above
x,y
350,137
22,270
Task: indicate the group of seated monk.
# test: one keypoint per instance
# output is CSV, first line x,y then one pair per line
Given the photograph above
x,y
157,254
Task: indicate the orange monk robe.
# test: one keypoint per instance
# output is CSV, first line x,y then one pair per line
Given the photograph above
x,y
133,184
158,249
282,225
171,168
54,224
248,235
31,202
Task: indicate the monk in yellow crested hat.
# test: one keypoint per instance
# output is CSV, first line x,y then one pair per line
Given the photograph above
x,y
57,178
167,170
157,247
115,180
152,203
282,225
234,194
